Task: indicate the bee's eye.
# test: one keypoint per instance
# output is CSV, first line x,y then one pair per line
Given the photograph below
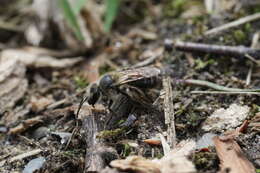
x,y
106,82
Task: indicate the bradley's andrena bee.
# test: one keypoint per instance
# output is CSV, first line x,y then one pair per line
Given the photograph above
x,y
124,89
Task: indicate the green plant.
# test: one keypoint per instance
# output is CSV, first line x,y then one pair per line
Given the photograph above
x,y
112,7
71,13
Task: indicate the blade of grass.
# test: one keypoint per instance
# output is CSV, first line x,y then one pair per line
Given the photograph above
x,y
71,18
78,5
112,7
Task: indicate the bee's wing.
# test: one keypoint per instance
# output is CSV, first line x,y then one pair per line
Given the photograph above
x,y
136,95
132,75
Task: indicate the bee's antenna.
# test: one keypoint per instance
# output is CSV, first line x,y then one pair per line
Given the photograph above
x,y
83,99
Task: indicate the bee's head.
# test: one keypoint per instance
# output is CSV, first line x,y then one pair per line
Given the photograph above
x,y
93,93
106,82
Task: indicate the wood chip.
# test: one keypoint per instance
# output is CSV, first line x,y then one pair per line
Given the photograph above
x,y
37,60
25,125
169,112
13,83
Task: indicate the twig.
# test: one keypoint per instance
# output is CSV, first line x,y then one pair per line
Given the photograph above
x,y
156,55
166,147
57,104
249,75
235,23
169,112
223,92
255,40
218,87
21,156
239,51
26,124
257,62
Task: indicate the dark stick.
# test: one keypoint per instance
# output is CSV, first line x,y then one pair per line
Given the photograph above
x,y
239,51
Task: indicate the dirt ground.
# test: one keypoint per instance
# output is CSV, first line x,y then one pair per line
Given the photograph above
x,y
40,97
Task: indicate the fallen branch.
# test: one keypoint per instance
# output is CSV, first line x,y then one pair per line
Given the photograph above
x,y
235,23
238,51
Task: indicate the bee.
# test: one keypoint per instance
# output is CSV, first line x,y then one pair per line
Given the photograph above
x,y
124,89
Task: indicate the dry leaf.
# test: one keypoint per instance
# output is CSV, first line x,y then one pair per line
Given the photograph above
x,y
231,157
174,162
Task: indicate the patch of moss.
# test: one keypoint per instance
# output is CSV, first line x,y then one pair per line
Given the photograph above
x,y
73,153
104,69
200,64
194,119
248,27
174,8
80,81
239,36
110,134
126,150
205,160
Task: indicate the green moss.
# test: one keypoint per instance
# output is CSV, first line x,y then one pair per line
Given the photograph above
x,y
80,81
73,153
205,160
110,134
194,119
199,64
126,150
248,27
104,69
239,36
174,8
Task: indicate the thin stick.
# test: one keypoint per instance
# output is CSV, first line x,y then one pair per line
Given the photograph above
x,y
249,75
217,87
169,112
235,23
22,156
223,92
156,54
239,51
257,62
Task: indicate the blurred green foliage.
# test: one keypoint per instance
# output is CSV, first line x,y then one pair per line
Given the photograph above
x,y
112,7
174,8
80,81
71,11
71,15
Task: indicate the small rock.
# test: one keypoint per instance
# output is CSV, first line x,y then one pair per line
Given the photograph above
x,y
40,132
3,129
63,135
205,141
34,165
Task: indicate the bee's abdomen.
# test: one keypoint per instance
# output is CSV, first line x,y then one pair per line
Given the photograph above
x,y
146,82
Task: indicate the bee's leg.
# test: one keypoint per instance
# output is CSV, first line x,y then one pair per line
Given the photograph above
x,y
120,108
129,121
